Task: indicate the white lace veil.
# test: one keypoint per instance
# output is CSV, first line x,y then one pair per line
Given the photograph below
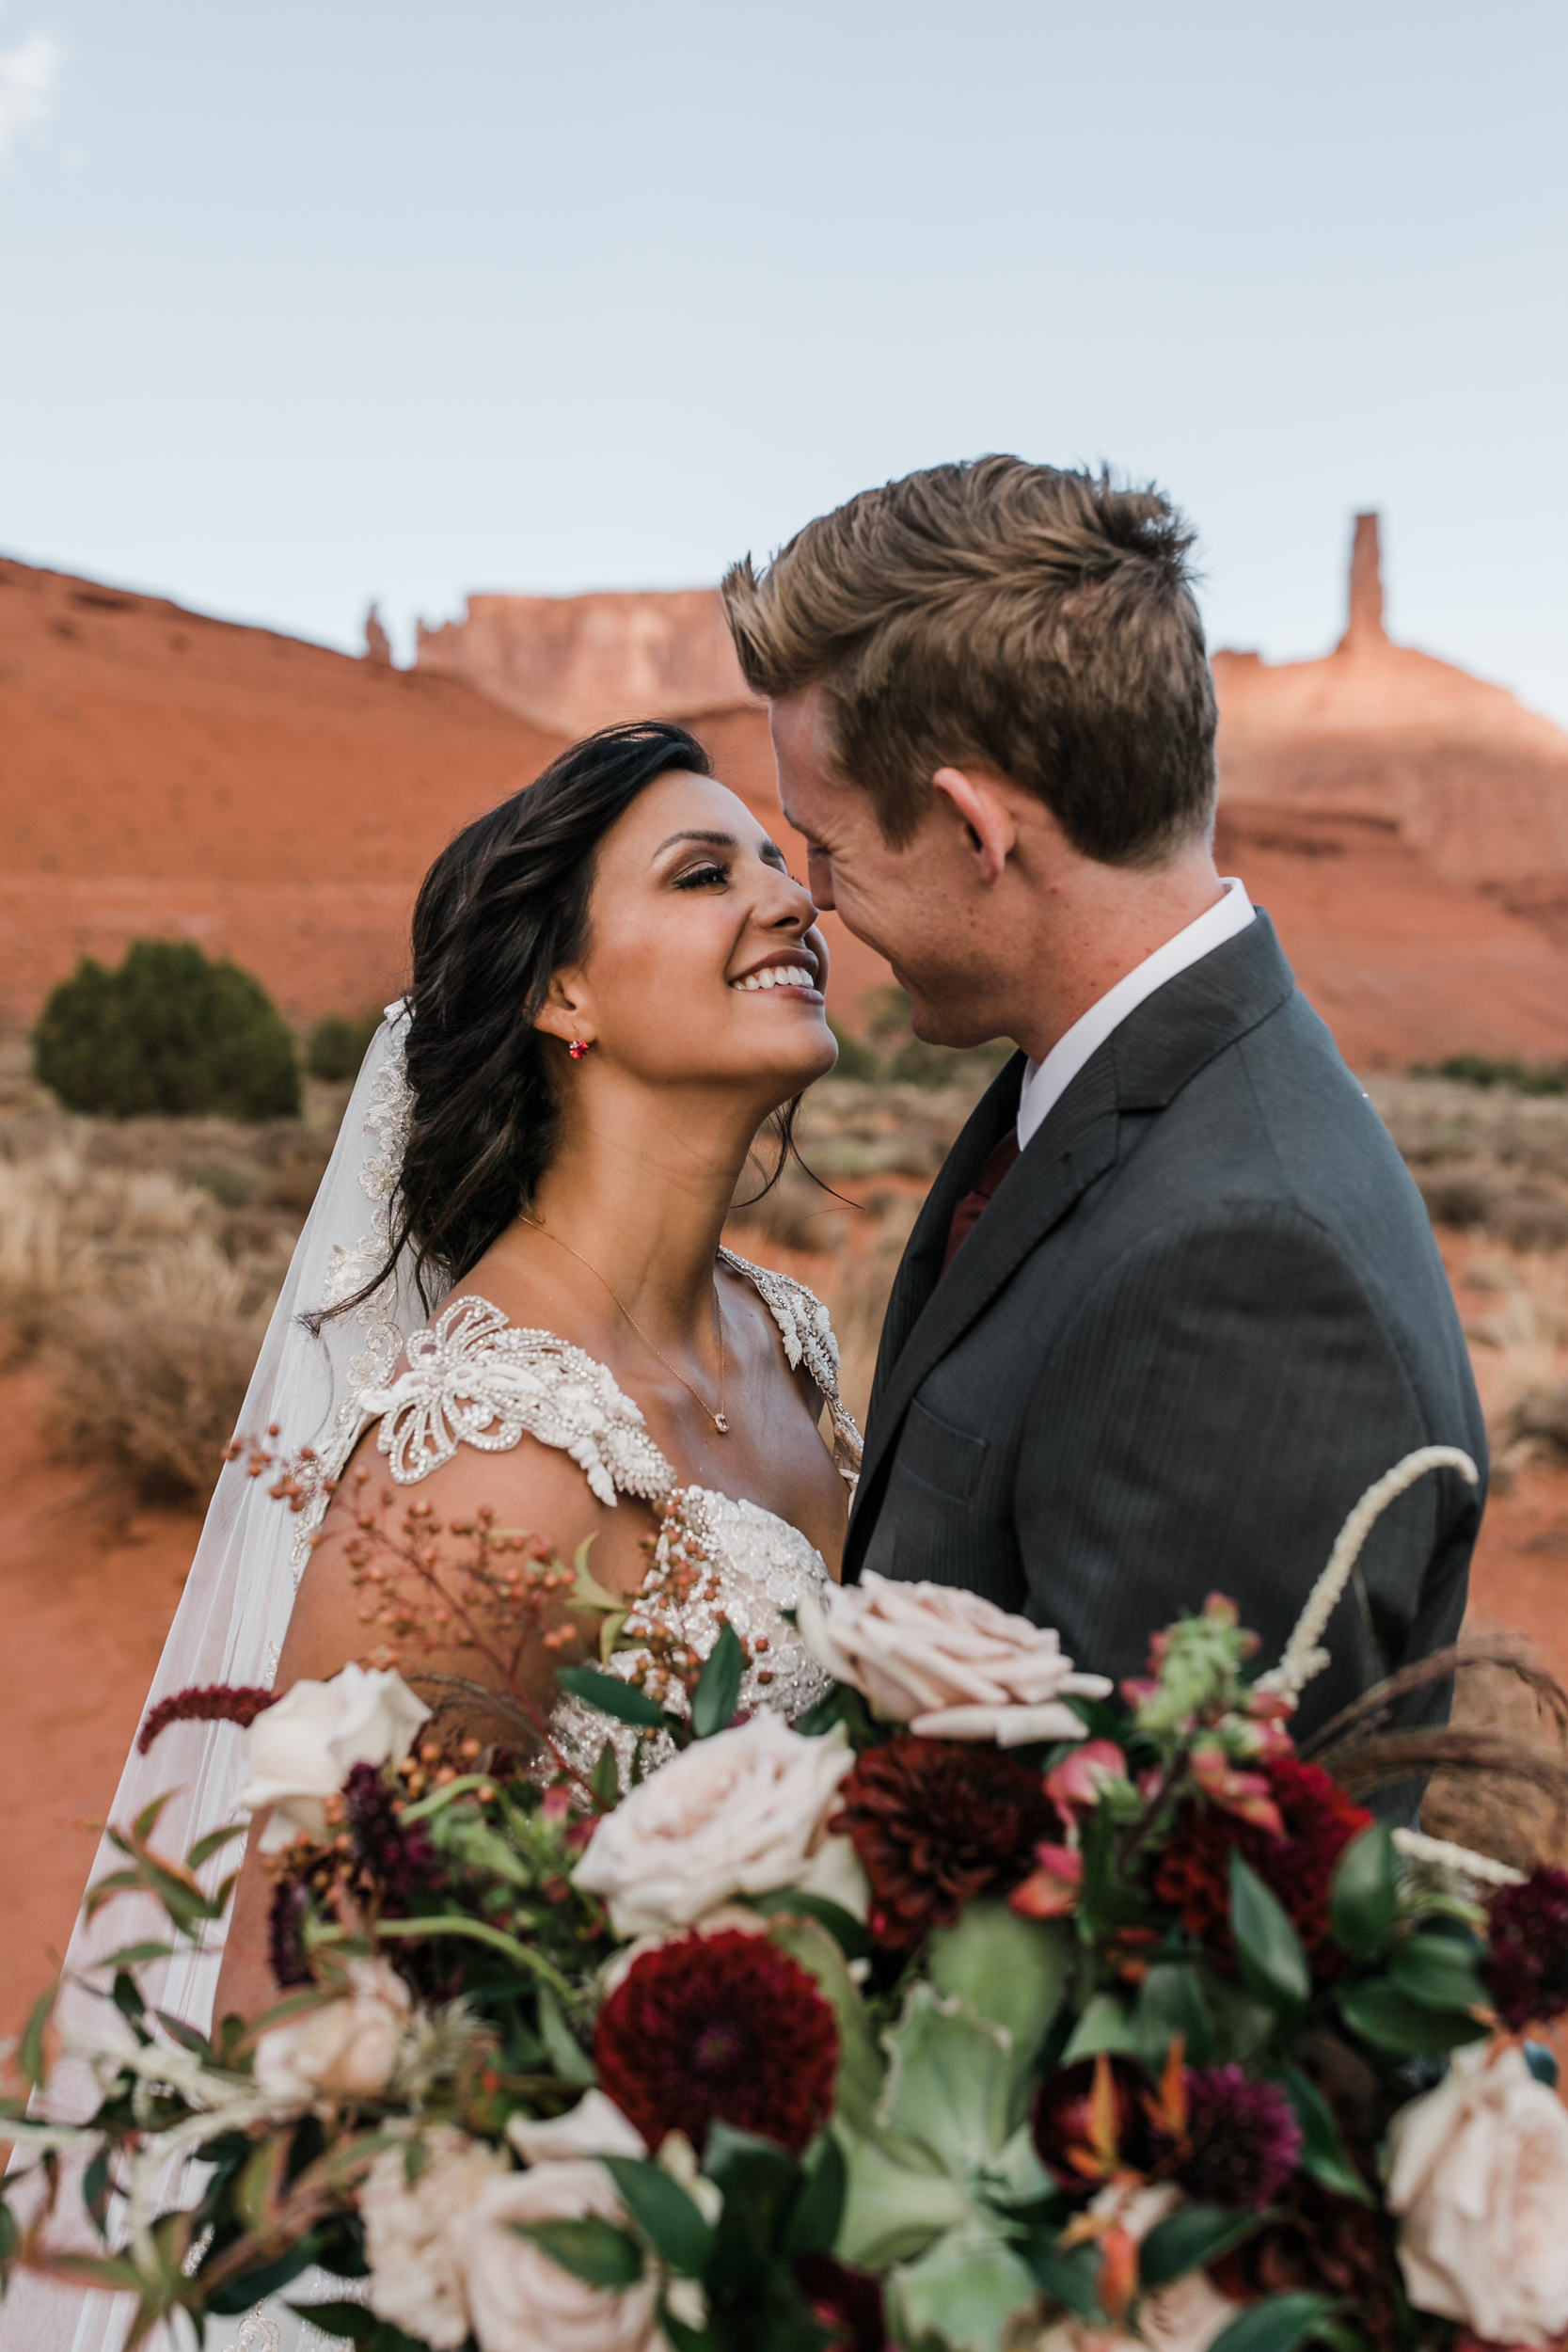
x,y
240,1591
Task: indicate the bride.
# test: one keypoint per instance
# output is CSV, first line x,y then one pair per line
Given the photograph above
x,y
616,983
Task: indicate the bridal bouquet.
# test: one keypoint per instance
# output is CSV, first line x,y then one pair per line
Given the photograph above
x,y
984,2007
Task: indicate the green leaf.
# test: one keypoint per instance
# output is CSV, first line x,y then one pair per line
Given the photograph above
x,y
567,2054
1276,2324
604,1779
187,2037
1171,2001
1382,2015
1323,2150
1071,2278
1272,1964
29,2051
591,2249
358,2325
718,1685
759,2183
214,1841
860,2062
1542,2064
815,2224
1190,2239
611,1696
1437,1972
1365,1897
679,2336
135,1956
667,2216
1105,2025
852,1939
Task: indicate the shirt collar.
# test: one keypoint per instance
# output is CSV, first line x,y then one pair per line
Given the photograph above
x,y
1046,1082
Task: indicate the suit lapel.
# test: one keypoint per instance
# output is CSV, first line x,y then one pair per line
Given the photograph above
x,y
1142,1066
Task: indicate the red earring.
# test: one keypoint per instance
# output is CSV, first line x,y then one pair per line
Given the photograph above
x,y
577,1047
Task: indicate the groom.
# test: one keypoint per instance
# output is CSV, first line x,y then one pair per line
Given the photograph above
x,y
1173,1302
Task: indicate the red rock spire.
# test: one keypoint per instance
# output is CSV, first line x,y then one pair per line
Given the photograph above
x,y
1366,589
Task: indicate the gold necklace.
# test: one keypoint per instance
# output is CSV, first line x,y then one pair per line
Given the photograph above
x,y
720,1423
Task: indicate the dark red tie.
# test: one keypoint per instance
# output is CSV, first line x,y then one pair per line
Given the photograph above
x,y
974,1205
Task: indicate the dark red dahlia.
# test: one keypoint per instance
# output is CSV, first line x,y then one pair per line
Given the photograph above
x,y
1526,1969
846,2302
936,1822
1243,2140
1192,1873
1064,2123
719,2029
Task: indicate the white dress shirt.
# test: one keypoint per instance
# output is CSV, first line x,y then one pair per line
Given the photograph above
x,y
1046,1082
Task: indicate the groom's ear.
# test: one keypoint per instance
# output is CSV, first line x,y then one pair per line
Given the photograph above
x,y
986,816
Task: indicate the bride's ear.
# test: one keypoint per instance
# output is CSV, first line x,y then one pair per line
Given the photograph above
x,y
564,1012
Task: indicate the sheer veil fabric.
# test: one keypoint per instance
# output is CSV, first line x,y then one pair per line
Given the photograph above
x,y
240,1594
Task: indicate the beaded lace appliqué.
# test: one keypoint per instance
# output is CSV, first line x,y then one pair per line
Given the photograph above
x,y
475,1379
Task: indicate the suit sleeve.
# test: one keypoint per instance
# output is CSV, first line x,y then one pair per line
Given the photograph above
x,y
1205,1423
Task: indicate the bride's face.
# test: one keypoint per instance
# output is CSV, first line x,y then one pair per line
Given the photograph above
x,y
703,961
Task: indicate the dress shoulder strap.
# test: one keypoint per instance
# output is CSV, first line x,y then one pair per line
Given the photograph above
x,y
808,1339
473,1379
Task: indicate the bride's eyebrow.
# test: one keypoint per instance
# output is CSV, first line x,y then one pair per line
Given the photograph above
x,y
769,850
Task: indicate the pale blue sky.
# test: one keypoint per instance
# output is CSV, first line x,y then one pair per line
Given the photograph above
x,y
311,301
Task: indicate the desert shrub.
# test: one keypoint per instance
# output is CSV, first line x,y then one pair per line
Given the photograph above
x,y
1481,1070
890,1049
152,1389
167,1032
337,1045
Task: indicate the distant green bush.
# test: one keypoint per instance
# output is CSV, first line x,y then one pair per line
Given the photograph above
x,y
1479,1070
891,1050
168,1031
336,1046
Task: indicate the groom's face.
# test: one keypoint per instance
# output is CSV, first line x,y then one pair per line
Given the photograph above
x,y
910,904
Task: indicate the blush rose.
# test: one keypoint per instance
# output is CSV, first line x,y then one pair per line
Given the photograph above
x,y
411,2233
744,1813
521,2299
1478,2174
949,1664
345,2050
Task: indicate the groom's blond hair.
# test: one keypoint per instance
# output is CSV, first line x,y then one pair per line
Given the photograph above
x,y
1036,620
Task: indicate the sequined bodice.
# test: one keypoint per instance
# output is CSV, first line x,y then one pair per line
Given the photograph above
x,y
473,1379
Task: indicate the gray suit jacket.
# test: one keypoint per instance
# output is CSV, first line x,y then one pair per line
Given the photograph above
x,y
1203,1311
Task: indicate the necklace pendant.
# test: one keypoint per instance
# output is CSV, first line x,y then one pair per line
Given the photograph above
x,y
720,1425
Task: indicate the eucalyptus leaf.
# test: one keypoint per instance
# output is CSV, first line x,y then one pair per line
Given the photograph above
x,y
1382,2015
713,1702
1276,2324
1438,1972
667,2216
611,1696
1323,2157
567,2054
591,2249
1191,2238
1171,2001
1364,1899
818,2212
1268,1949
1106,2024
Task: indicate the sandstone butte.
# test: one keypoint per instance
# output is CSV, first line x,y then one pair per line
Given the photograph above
x,y
164,773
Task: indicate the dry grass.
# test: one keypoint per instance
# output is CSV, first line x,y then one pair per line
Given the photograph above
x,y
138,1265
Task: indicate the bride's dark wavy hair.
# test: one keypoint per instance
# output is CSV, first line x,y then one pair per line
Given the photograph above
x,y
502,908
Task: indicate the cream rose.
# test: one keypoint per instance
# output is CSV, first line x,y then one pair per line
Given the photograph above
x,y
949,1664
743,1813
595,2127
519,2300
301,1749
345,2050
1478,2173
411,2233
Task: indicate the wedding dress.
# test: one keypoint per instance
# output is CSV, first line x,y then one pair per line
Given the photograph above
x,y
471,1377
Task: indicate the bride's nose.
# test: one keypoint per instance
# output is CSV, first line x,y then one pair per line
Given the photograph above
x,y
791,905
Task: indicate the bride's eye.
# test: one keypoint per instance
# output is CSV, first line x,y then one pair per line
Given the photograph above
x,y
700,876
